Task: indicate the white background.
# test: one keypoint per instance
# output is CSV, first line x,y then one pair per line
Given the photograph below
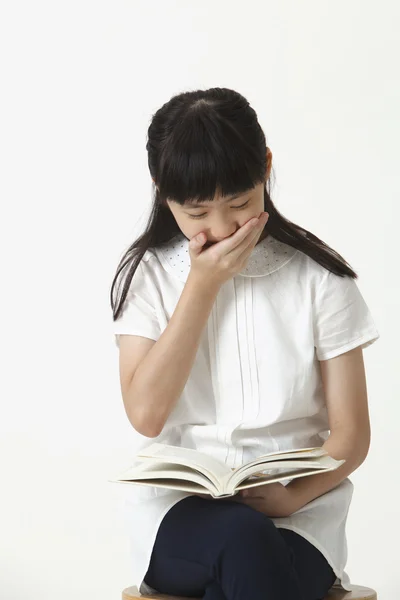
x,y
80,81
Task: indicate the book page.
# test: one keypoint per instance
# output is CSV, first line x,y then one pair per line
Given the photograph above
x,y
300,454
294,453
215,470
165,473
271,478
172,484
283,469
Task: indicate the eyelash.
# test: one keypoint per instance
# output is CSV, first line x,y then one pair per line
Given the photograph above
x,y
237,208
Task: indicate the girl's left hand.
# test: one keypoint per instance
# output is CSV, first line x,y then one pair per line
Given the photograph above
x,y
273,499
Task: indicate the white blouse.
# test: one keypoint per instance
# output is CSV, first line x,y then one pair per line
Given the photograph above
x,y
255,386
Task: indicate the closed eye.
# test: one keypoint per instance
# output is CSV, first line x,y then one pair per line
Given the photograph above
x,y
203,214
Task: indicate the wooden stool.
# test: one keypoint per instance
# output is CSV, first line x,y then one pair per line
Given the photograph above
x,y
360,593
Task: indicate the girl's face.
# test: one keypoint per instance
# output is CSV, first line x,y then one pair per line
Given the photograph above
x,y
221,217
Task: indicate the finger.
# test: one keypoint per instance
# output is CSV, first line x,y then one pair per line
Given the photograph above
x,y
249,493
197,242
232,242
248,242
256,235
205,496
256,230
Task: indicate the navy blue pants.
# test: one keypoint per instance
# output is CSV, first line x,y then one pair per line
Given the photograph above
x,y
224,550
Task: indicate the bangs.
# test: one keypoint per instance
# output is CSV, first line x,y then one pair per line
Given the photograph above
x,y
204,156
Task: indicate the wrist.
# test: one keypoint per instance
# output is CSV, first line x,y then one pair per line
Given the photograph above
x,y
207,286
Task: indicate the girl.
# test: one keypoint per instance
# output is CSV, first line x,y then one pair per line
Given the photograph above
x,y
240,333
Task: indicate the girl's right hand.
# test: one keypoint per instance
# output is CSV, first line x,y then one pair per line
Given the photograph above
x,y
227,258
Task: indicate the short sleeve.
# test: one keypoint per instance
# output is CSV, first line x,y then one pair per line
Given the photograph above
x,y
341,318
138,316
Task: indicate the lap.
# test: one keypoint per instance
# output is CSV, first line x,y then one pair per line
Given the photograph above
x,y
196,531
194,521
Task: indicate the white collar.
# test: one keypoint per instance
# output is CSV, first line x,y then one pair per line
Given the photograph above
x,y
268,256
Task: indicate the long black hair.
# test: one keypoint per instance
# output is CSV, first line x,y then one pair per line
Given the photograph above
x,y
200,143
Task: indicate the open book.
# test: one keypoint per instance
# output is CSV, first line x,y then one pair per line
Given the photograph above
x,y
189,470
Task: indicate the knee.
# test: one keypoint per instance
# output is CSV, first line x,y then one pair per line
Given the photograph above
x,y
244,527
248,541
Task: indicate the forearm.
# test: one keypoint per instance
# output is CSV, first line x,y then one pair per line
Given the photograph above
x,y
346,445
162,375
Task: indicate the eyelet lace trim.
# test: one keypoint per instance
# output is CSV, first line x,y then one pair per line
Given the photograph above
x,y
267,256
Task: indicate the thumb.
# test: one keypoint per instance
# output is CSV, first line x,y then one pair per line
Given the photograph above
x,y
249,492
197,242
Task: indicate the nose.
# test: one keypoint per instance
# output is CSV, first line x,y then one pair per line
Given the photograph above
x,y
223,231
